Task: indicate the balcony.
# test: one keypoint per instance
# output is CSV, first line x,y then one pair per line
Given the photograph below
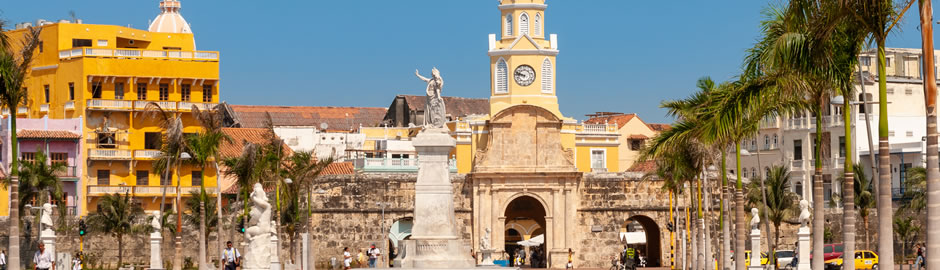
x,y
147,154
22,110
598,128
69,105
797,165
109,154
110,105
69,172
5,112
44,108
134,54
393,164
141,105
188,106
99,190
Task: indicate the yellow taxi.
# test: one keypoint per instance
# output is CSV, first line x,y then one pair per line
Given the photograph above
x,y
864,259
747,258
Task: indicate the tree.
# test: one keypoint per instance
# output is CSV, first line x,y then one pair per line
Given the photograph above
x,y
171,155
201,217
864,199
14,66
39,180
302,167
205,150
118,216
775,200
915,191
906,230
930,102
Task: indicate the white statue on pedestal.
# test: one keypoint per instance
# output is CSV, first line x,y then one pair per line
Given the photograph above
x,y
485,240
156,260
46,219
804,213
755,219
259,232
434,110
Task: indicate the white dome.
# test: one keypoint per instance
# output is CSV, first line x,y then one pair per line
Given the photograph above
x,y
170,20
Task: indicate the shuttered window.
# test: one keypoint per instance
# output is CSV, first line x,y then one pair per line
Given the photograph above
x,y
538,24
547,76
524,24
502,77
508,25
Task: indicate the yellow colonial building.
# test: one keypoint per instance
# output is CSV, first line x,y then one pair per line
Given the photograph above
x,y
106,75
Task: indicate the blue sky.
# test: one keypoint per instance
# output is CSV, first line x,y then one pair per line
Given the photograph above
x,y
616,55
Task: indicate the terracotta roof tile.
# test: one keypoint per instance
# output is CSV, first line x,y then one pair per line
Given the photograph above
x,y
643,166
619,119
337,118
455,106
47,134
241,135
339,168
659,127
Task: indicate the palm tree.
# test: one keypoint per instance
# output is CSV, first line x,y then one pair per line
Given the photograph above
x,y
302,167
930,94
864,199
171,155
39,180
118,216
915,191
906,230
776,200
205,149
243,169
878,18
196,216
14,66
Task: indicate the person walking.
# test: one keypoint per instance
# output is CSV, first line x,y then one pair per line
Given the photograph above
x,y
570,264
43,259
230,256
3,260
77,261
374,254
347,258
919,263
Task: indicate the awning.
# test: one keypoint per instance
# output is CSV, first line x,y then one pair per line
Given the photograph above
x,y
538,240
633,237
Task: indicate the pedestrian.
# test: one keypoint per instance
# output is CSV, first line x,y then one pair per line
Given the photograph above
x,y
77,261
570,264
374,254
347,258
361,258
230,256
3,260
43,259
919,263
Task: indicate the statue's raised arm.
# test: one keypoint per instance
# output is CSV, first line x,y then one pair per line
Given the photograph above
x,y
421,77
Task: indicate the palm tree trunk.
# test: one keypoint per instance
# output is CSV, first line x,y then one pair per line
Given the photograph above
x,y
178,258
202,222
723,218
740,233
763,192
933,161
120,250
218,206
692,230
885,213
818,214
867,233
773,253
848,186
14,262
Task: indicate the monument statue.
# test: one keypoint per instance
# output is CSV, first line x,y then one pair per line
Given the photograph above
x,y
156,260
46,219
485,240
804,213
155,223
259,231
434,110
755,219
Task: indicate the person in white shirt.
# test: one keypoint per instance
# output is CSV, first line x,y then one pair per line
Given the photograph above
x,y
43,260
230,256
77,262
3,260
373,256
347,258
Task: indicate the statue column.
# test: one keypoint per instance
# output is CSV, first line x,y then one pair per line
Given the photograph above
x,y
156,261
803,262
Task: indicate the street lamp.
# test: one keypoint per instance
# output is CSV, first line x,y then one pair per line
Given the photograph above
x,y
384,232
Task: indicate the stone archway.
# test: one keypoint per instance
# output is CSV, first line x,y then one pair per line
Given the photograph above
x,y
651,246
526,215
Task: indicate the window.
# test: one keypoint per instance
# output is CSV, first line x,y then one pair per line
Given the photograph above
x,y
186,92
59,158
197,178
207,93
141,91
502,77
508,25
164,180
119,91
153,140
106,140
887,61
81,42
164,92
753,144
909,133
45,89
635,145
890,91
841,146
862,108
28,156
524,24
143,178
798,188
96,90
744,172
71,91
775,141
547,76
891,133
538,24
104,177
753,173
797,149
766,171
40,46
908,91
866,60
904,168
598,159
102,43
766,141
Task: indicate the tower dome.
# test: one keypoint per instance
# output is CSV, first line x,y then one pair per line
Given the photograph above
x,y
170,20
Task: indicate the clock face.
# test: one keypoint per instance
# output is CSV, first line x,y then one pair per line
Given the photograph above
x,y
524,75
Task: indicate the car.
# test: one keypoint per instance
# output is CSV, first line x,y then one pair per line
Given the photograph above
x,y
784,257
747,258
832,251
864,259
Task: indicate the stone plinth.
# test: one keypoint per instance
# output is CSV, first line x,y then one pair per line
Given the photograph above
x,y
803,262
755,251
486,257
275,261
48,238
436,243
156,260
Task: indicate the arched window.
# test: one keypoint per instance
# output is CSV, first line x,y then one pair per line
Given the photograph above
x,y
538,24
502,77
508,25
547,76
767,172
775,141
753,173
524,24
766,142
744,172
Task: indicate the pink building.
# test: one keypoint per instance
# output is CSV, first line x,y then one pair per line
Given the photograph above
x,y
61,140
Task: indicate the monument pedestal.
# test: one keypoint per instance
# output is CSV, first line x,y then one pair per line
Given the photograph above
x,y
435,240
275,261
803,262
156,261
486,257
755,251
47,237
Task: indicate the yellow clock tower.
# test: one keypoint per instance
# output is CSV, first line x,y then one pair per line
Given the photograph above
x,y
522,59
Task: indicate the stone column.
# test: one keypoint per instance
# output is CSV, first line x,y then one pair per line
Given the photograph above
x,y
275,261
435,226
48,238
156,260
803,262
755,250
305,252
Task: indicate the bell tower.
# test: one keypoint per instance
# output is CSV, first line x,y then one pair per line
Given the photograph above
x,y
522,58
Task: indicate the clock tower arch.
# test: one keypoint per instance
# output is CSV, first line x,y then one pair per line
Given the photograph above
x,y
522,58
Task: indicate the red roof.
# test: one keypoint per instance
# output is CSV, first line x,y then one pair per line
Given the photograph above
x,y
47,134
619,119
339,168
659,127
241,135
336,118
643,166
